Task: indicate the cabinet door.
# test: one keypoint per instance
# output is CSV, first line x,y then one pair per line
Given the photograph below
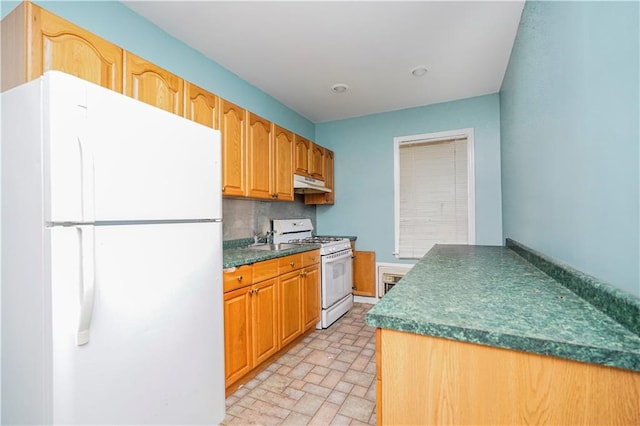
x,y
311,296
283,164
259,158
327,197
302,147
232,128
201,106
316,162
237,334
290,300
153,85
56,44
264,306
364,273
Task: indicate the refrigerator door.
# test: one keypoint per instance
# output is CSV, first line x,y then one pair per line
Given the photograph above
x,y
109,157
155,352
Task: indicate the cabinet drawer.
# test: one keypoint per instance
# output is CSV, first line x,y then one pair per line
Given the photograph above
x,y
239,277
310,257
265,270
290,263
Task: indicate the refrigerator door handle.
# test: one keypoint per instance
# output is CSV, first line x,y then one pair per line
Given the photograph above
x,y
87,165
87,282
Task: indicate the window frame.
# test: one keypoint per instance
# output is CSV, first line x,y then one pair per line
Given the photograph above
x,y
471,187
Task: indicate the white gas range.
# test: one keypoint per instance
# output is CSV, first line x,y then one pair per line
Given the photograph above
x,y
336,266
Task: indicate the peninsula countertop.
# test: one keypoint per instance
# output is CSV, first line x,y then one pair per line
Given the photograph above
x,y
492,296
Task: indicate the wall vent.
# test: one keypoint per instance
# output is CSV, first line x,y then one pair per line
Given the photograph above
x,y
389,274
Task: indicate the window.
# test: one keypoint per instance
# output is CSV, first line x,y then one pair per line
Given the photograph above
x,y
434,192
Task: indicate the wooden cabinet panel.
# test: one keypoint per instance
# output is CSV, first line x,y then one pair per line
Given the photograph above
x,y
201,106
290,300
364,273
329,181
35,40
311,296
328,197
233,278
302,149
264,307
237,334
310,258
232,121
316,162
153,85
259,158
290,263
283,164
265,270
430,380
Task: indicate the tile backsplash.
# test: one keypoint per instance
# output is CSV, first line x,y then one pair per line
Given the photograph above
x,y
241,218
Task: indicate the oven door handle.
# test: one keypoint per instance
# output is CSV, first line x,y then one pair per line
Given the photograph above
x,y
335,257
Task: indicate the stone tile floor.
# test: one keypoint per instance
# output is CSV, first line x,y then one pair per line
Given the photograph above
x,y
326,379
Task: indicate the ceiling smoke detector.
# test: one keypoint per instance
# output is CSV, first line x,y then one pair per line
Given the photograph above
x,y
339,88
419,71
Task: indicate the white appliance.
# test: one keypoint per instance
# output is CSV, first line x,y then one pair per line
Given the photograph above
x,y
336,269
308,185
111,260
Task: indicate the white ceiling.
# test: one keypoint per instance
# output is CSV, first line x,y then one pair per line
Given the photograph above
x,y
296,50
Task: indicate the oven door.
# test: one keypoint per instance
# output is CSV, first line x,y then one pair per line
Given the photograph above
x,y
337,277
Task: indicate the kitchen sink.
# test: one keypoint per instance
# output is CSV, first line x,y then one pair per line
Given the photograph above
x,y
271,247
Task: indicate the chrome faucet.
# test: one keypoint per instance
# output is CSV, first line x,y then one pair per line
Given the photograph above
x,y
257,236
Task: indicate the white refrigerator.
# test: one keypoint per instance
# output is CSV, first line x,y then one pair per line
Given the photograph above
x,y
111,260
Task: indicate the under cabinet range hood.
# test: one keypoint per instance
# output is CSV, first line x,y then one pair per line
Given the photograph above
x,y
307,185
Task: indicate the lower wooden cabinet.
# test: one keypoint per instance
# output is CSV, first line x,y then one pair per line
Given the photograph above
x,y
237,334
268,305
364,273
429,380
310,284
289,307
264,320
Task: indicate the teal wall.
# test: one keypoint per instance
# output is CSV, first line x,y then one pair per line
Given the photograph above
x,y
120,25
570,137
364,169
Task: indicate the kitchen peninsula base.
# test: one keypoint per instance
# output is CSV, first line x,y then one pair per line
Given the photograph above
x,y
431,380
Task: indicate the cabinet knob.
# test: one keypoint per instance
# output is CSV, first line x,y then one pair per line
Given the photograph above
x,y
224,188
239,277
292,264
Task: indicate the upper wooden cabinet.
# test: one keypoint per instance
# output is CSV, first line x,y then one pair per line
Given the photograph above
x,y
327,197
153,85
282,164
316,161
201,106
35,41
302,149
269,160
232,121
259,158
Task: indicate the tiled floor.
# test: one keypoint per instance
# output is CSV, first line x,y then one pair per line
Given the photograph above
x,y
326,379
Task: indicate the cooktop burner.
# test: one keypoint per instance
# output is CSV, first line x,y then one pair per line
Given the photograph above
x,y
318,240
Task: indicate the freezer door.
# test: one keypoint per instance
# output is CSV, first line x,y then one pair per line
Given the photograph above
x,y
155,348
111,158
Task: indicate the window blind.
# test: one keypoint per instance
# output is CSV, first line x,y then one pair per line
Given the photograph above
x,y
433,201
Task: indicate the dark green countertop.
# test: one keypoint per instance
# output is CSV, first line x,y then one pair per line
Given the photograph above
x,y
492,296
237,256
